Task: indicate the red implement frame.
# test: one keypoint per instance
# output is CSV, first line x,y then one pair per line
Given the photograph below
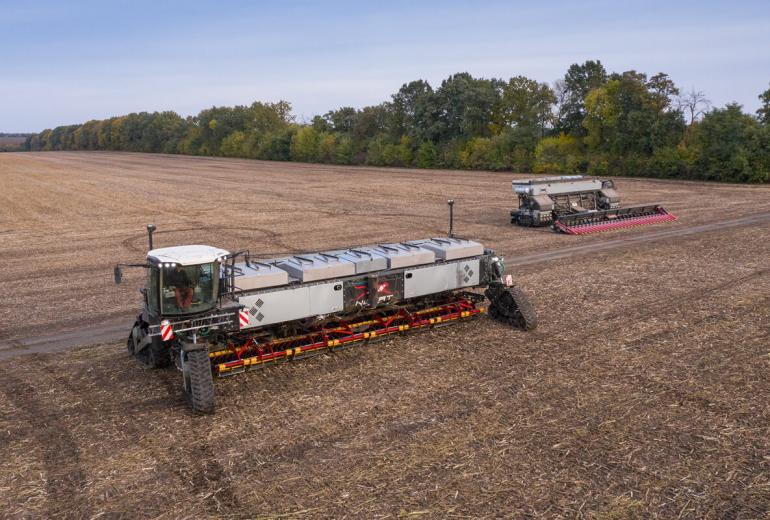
x,y
620,222
251,352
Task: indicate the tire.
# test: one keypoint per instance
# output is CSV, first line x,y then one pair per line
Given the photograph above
x,y
198,381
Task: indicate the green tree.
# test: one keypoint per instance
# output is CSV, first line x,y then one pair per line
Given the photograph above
x,y
427,155
415,111
343,153
560,154
272,146
524,103
629,116
327,145
450,154
404,151
517,147
320,124
265,118
764,111
480,153
304,145
216,123
234,145
465,107
671,162
342,120
370,122
732,147
578,82
376,154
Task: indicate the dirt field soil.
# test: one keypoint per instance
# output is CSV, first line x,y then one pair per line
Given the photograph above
x,y
644,393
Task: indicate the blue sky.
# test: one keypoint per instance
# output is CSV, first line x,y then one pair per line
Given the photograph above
x,y
68,62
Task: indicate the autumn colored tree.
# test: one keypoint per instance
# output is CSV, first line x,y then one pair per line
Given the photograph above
x,y
590,121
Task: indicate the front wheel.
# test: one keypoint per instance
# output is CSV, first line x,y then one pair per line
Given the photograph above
x,y
198,380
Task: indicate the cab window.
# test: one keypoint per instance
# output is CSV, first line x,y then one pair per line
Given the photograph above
x,y
188,289
153,276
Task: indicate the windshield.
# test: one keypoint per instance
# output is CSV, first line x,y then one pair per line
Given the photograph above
x,y
188,289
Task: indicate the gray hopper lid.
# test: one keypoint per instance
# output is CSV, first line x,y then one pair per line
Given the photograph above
x,y
404,254
451,248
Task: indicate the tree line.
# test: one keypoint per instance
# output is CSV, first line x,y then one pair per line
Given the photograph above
x,y
590,121
12,142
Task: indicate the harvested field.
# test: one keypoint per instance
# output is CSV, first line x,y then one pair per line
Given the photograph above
x,y
11,143
642,394
12,140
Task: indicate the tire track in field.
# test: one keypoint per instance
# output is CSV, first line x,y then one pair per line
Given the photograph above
x,y
64,475
132,243
275,455
200,469
628,241
209,479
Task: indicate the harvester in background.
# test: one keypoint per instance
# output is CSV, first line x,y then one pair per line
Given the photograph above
x,y
579,205
210,312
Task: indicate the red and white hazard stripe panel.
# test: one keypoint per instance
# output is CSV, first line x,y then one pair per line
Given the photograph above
x,y
243,318
166,330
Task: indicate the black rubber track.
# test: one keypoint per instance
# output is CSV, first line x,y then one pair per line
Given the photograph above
x,y
525,309
511,306
201,382
154,355
159,354
130,343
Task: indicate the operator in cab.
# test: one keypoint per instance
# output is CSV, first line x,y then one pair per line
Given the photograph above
x,y
178,279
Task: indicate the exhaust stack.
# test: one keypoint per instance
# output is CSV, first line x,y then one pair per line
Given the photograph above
x,y
150,229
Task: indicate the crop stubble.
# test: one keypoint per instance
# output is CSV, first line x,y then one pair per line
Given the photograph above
x,y
643,393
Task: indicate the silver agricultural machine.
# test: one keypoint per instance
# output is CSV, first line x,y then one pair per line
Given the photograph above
x,y
210,312
579,205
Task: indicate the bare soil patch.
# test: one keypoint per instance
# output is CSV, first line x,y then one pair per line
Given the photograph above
x,y
643,393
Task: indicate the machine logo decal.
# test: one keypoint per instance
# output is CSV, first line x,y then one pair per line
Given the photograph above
x,y
254,310
384,293
468,273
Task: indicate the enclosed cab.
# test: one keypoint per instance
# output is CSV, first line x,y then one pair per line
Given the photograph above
x,y
183,283
183,280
